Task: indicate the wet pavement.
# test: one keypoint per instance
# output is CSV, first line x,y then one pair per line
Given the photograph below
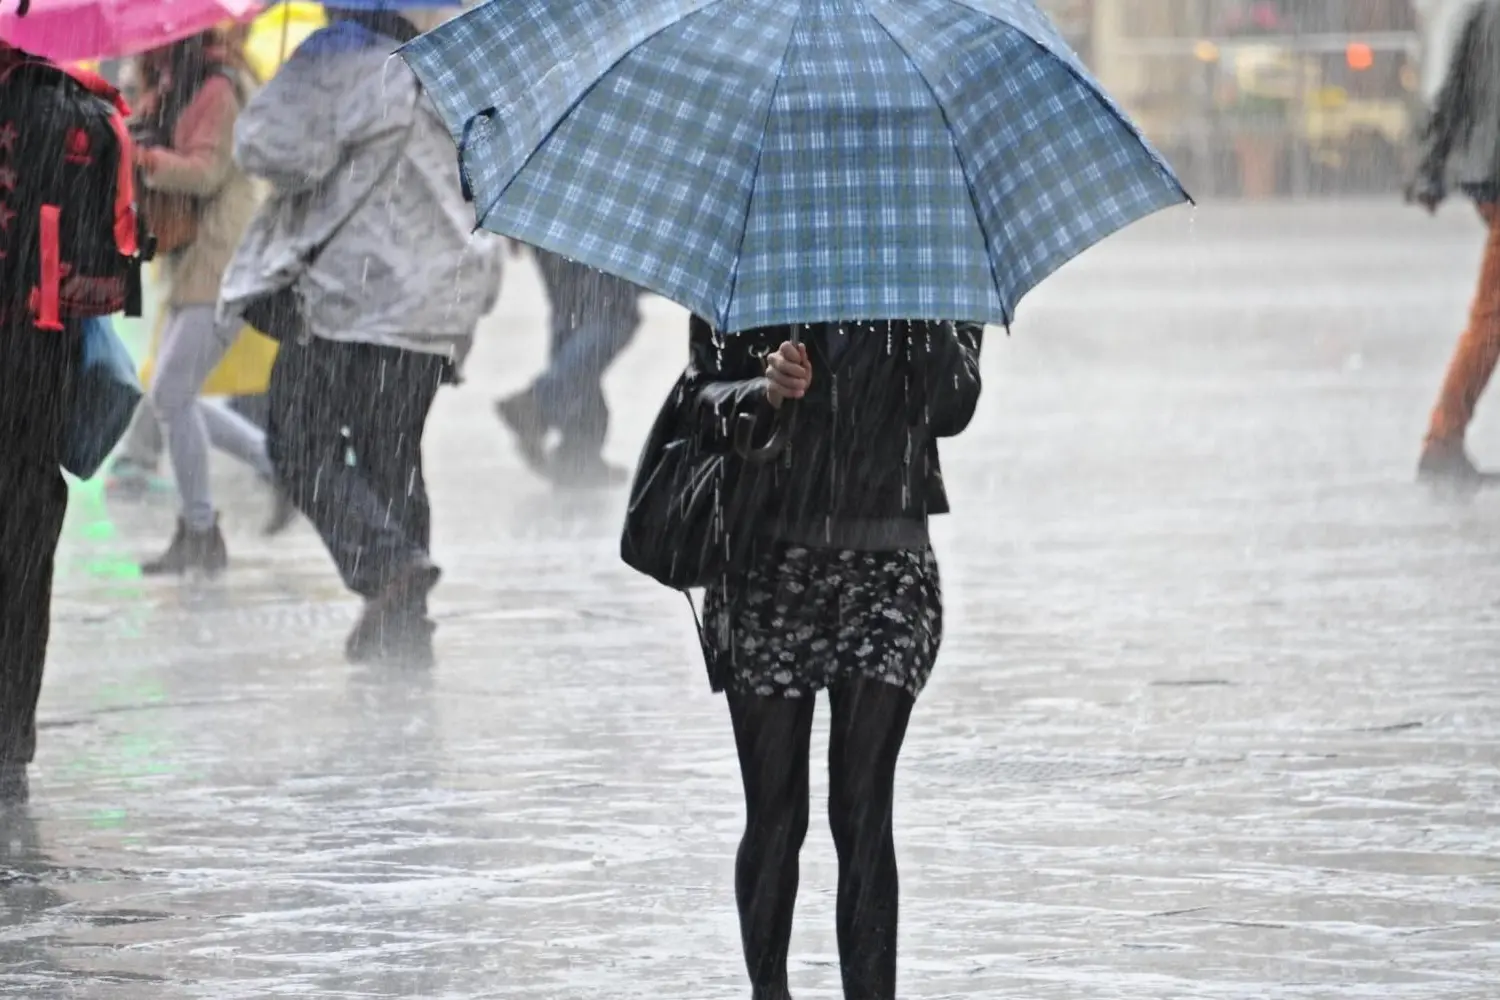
x,y
1217,715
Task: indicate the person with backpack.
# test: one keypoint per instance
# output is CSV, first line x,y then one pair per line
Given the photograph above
x,y
367,251
819,576
197,202
1460,144
70,250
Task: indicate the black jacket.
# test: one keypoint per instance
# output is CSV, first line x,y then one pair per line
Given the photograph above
x,y
862,469
1461,140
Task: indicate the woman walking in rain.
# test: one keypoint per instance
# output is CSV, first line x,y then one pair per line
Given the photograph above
x,y
782,170
367,226
1462,142
194,90
842,594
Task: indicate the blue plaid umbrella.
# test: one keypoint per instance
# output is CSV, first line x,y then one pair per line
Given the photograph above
x,y
792,161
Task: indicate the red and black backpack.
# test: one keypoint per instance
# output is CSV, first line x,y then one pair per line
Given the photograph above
x,y
71,245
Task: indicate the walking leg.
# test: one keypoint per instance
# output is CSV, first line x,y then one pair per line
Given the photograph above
x,y
36,398
528,412
235,435
316,390
192,345
1472,365
771,736
387,442
143,444
604,317
611,315
869,725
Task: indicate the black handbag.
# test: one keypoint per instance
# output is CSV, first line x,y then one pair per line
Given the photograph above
x,y
695,514
277,315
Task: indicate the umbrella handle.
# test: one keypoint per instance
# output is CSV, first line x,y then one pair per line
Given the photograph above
x,y
781,427
781,434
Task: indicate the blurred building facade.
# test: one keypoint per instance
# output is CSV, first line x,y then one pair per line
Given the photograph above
x,y
1263,98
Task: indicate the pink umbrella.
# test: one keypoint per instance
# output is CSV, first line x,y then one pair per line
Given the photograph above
x,y
74,30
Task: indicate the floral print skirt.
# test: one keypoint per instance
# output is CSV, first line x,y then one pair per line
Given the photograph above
x,y
802,619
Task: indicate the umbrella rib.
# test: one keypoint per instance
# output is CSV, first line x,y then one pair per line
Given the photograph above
x,y
734,281
1005,307
765,123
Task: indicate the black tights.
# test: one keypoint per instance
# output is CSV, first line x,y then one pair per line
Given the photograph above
x,y
773,736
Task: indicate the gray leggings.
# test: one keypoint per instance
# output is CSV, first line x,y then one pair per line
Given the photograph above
x,y
144,445
192,346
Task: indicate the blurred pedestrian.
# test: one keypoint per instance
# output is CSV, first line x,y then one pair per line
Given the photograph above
x,y
198,204
1461,143
594,317
368,227
68,239
841,593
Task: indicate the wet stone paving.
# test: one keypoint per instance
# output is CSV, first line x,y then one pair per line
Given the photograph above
x,y
1217,715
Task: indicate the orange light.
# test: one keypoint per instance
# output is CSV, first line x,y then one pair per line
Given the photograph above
x,y
1360,56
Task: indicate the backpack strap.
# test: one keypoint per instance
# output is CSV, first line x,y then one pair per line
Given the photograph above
x,y
100,87
126,230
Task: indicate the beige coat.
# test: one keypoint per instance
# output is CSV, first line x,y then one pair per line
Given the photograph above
x,y
200,162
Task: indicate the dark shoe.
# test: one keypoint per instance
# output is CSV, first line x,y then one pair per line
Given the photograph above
x,y
400,639
523,415
15,786
283,513
1447,464
590,472
394,624
191,550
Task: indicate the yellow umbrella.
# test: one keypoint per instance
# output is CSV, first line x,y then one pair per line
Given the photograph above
x,y
276,34
245,370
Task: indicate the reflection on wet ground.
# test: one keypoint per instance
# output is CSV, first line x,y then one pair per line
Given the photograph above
x,y
1217,714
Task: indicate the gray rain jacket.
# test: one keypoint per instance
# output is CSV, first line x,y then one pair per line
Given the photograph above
x,y
406,270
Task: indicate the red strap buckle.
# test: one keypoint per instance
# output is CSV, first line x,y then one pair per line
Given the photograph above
x,y
49,296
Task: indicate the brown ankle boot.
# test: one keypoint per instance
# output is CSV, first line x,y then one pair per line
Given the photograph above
x,y
191,550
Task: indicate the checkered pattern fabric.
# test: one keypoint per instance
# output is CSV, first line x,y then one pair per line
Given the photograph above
x,y
779,161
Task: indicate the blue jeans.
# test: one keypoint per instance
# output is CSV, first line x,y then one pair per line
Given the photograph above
x,y
594,318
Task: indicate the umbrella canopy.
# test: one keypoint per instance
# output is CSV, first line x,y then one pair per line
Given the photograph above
x,y
275,35
786,161
70,30
393,5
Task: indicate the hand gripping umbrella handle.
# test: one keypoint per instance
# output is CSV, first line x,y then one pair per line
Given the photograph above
x,y
781,427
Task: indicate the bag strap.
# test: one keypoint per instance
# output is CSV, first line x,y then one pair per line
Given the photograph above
x,y
697,622
380,178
